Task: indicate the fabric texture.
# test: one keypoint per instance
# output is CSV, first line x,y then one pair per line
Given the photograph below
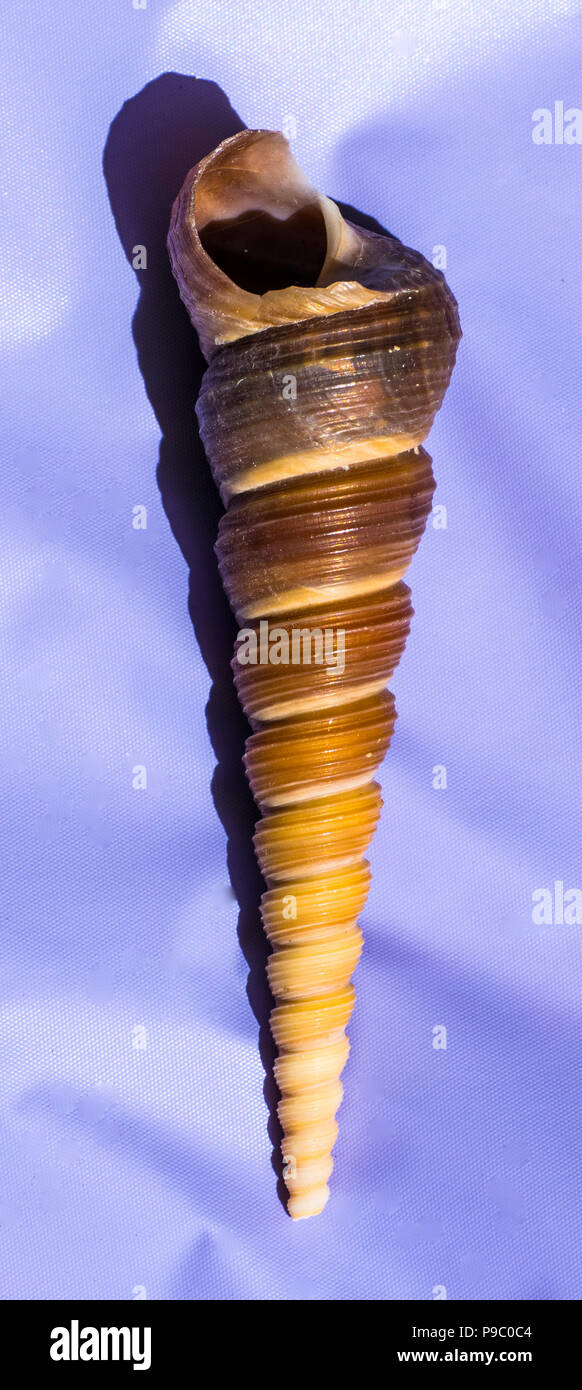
x,y
136,1117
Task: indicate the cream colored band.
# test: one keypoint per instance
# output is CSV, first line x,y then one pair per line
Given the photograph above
x,y
320,461
295,600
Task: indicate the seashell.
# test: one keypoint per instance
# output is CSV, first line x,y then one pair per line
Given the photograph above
x,y
330,350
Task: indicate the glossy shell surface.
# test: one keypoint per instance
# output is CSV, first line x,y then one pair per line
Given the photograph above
x,y
330,351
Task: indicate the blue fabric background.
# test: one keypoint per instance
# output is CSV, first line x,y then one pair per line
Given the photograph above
x,y
136,1158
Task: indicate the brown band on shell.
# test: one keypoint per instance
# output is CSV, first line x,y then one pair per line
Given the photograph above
x,y
320,534
373,633
289,401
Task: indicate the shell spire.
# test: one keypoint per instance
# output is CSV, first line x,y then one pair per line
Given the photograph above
x,y
330,351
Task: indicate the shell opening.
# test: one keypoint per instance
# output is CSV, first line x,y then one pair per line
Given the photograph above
x,y
259,218
261,252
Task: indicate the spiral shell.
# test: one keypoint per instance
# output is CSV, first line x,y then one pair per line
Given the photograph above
x,y
330,351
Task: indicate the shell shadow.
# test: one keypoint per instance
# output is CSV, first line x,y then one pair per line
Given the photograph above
x,y
152,143
154,140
